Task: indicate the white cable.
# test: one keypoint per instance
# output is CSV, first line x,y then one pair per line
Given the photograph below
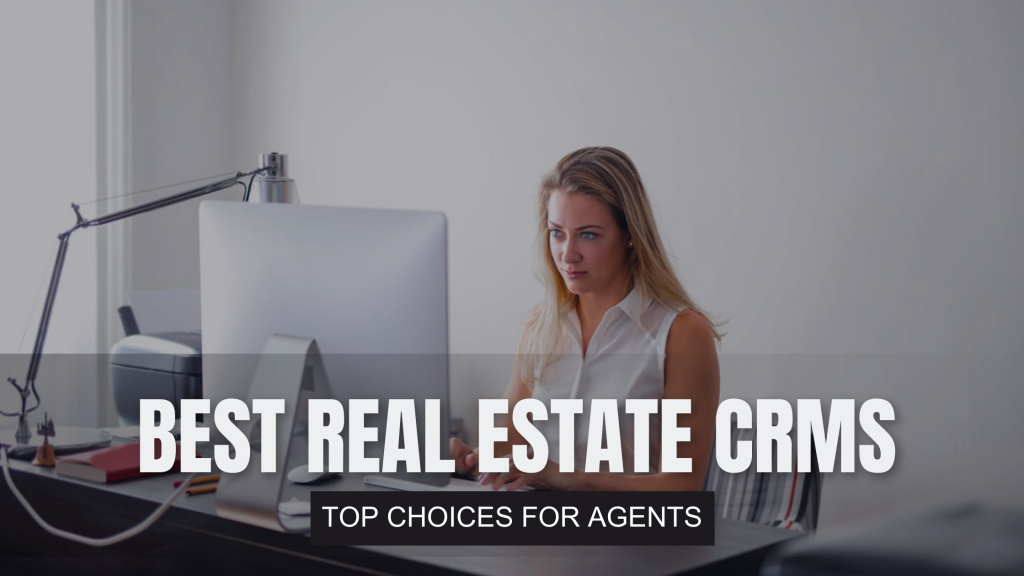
x,y
109,540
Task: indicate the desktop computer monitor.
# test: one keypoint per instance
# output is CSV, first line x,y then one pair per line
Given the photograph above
x,y
370,286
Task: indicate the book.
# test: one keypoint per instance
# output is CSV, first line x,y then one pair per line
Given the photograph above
x,y
109,464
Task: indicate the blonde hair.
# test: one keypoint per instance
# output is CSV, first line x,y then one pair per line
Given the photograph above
x,y
608,175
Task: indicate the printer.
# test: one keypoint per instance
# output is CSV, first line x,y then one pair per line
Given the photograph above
x,y
166,366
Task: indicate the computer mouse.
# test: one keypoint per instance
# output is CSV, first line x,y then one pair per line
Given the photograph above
x,y
302,475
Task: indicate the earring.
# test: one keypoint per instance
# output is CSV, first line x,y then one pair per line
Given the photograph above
x,y
630,244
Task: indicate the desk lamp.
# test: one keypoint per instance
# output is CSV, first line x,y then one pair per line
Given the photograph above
x,y
272,185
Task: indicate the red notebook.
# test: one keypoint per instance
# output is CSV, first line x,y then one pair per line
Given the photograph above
x,y
109,464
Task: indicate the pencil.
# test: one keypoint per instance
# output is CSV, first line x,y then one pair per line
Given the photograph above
x,y
201,490
203,480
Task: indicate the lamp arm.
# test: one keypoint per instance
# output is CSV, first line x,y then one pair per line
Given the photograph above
x,y
159,202
29,387
44,321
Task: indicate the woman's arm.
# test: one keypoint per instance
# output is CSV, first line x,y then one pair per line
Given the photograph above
x,y
691,371
467,459
515,391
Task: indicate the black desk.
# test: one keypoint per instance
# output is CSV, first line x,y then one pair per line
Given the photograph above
x,y
191,539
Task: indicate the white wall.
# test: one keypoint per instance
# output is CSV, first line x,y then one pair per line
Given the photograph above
x,y
841,180
182,128
48,147
834,178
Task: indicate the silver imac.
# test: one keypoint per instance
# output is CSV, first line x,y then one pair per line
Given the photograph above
x,y
369,286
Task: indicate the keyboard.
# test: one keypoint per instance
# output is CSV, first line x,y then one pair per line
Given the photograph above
x,y
454,485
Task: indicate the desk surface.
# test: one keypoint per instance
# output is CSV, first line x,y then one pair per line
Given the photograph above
x,y
101,509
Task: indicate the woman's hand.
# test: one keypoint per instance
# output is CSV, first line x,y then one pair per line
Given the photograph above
x,y
466,459
549,478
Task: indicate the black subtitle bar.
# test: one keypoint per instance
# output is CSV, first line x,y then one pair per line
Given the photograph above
x,y
513,518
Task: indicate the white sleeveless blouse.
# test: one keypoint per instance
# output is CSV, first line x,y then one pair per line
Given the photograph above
x,y
625,359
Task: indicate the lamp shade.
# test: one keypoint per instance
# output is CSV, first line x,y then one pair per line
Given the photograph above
x,y
274,184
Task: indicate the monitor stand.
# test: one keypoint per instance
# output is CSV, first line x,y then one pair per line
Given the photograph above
x,y
289,368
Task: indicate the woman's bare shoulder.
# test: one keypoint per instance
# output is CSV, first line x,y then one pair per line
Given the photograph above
x,y
691,333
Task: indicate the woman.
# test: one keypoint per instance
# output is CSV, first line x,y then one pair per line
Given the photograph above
x,y
614,323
